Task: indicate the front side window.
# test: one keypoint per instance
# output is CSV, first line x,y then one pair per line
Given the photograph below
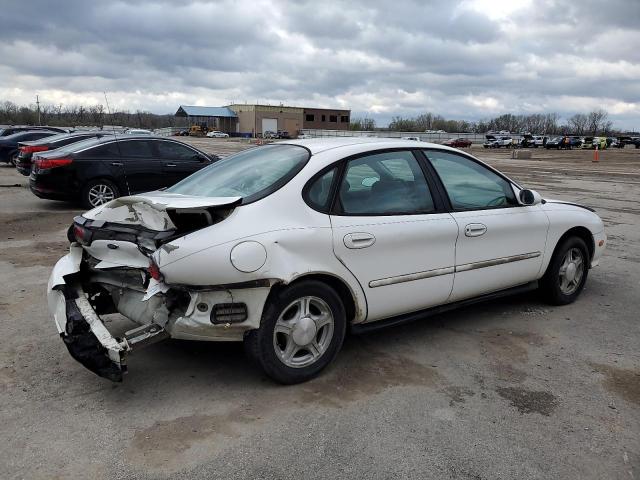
x,y
252,174
389,183
469,185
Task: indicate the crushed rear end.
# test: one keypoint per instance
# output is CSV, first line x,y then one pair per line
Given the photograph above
x,y
110,269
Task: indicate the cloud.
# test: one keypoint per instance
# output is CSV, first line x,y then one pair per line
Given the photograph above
x,y
467,59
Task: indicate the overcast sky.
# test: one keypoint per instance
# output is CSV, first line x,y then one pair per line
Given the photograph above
x,y
468,59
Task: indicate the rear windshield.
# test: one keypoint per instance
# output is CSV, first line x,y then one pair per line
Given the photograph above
x,y
252,174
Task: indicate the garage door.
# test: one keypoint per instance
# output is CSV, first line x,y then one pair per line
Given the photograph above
x,y
269,124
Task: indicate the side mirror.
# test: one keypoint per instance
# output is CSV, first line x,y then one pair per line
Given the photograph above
x,y
530,197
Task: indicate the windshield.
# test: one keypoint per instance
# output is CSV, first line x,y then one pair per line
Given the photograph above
x,y
252,174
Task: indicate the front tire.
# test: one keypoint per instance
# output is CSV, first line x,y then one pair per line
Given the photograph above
x,y
302,330
98,192
567,272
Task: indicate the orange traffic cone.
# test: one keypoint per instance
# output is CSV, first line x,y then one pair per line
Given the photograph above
x,y
596,155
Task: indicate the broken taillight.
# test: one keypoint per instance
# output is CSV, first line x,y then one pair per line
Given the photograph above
x,y
154,271
81,234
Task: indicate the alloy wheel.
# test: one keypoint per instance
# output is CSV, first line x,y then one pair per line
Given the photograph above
x,y
100,194
303,332
571,271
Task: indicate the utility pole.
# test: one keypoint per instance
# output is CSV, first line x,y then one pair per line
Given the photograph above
x,y
38,104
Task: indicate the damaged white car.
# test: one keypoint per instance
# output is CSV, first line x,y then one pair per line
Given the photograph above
x,y
288,246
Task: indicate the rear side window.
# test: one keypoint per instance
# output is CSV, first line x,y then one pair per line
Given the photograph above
x,y
470,185
106,150
317,195
136,148
385,184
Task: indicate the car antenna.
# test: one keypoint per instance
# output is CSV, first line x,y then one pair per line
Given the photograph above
x,y
126,180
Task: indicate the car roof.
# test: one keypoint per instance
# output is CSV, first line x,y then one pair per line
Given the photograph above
x,y
63,136
22,133
317,145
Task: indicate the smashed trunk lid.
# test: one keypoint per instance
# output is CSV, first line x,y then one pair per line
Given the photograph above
x,y
151,219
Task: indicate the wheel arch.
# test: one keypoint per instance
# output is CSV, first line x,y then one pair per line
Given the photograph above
x,y
352,309
581,232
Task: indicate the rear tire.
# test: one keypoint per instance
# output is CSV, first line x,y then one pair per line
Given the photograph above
x,y
302,330
13,159
567,272
98,192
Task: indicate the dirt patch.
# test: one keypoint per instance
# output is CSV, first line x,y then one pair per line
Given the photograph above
x,y
506,350
623,382
40,253
529,401
359,373
29,225
458,394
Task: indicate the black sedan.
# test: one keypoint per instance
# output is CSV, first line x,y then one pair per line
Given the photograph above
x,y
6,130
96,171
27,149
9,144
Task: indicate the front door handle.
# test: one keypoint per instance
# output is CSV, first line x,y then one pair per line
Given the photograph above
x,y
117,164
475,230
359,240
170,165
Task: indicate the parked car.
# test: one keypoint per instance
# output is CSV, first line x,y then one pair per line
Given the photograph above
x,y
217,134
560,143
27,149
98,170
304,135
283,134
540,141
6,130
286,246
414,139
138,131
458,143
591,142
270,134
9,145
497,142
182,133
623,141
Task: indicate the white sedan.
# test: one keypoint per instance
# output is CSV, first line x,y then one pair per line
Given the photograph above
x,y
286,246
217,134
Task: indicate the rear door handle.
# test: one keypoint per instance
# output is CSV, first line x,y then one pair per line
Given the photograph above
x,y
475,230
117,164
359,240
170,165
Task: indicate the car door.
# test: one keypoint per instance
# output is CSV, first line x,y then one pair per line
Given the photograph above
x,y
500,242
100,161
143,168
179,161
390,231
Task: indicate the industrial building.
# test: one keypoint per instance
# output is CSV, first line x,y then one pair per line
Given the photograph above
x,y
252,120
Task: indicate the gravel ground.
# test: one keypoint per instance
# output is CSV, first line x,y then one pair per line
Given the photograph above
x,y
508,389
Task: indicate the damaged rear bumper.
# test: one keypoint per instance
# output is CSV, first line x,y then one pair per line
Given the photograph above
x,y
90,343
82,331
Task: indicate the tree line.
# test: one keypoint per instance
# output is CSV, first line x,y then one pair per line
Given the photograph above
x,y
77,115
593,123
